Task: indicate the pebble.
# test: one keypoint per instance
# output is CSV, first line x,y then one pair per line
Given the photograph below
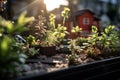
x,y
25,68
89,60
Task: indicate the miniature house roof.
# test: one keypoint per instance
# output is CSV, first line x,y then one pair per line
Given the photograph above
x,y
81,12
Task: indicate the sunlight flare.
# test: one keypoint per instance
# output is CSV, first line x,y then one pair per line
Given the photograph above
x,y
52,4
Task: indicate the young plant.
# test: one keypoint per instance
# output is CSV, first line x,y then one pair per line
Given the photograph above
x,y
76,31
92,52
74,46
65,14
37,27
30,40
81,41
73,43
55,34
93,39
11,54
31,52
60,33
107,40
75,49
72,59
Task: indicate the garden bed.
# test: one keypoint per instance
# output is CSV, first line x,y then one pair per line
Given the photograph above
x,y
101,69
56,67
95,57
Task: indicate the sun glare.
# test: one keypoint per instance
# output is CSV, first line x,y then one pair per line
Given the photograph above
x,y
52,4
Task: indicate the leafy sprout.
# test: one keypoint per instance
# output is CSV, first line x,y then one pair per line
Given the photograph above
x,y
52,21
76,30
65,14
107,40
55,33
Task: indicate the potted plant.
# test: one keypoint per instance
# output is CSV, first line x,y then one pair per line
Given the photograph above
x,y
54,34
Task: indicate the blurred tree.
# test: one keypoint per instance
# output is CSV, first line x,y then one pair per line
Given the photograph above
x,y
112,11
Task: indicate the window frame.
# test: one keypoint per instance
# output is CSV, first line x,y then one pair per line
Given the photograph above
x,y
86,21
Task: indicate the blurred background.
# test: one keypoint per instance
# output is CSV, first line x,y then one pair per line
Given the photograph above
x,y
107,10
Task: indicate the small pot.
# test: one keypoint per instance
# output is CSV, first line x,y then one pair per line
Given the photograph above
x,y
48,51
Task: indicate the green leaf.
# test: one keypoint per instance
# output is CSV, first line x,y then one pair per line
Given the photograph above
x,y
65,12
106,30
62,35
9,26
94,29
22,58
22,20
111,27
55,33
5,44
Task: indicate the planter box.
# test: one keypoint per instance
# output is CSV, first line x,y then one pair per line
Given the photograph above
x,y
102,70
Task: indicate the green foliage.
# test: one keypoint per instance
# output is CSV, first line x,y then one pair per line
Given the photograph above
x,y
30,49
30,40
13,28
30,52
94,29
65,12
107,40
92,51
76,30
49,39
93,37
10,51
74,47
96,43
81,41
37,27
52,21
109,37
60,32
72,59
55,34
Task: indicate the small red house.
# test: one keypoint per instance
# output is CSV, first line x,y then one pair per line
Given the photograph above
x,y
84,19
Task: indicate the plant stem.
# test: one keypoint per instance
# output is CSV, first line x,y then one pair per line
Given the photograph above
x,y
64,21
